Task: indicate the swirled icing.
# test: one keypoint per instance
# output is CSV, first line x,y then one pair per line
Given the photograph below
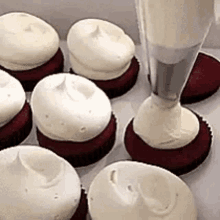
x,y
26,41
70,107
99,49
163,126
139,191
35,183
12,97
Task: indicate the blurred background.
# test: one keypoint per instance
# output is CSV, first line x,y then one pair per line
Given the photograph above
x,y
61,14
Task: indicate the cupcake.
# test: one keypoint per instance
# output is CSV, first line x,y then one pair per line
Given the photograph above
x,y
29,48
35,183
172,137
103,53
203,81
132,190
74,118
15,112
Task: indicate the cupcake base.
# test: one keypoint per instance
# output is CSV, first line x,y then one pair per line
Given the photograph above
x,y
29,78
82,153
178,161
204,80
82,210
15,131
119,86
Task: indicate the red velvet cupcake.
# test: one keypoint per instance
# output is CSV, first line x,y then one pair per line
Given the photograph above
x,y
204,79
172,143
103,53
15,112
38,184
73,118
29,48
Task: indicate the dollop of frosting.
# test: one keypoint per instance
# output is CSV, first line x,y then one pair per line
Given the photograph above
x,y
139,191
35,183
26,41
69,107
12,97
163,126
99,49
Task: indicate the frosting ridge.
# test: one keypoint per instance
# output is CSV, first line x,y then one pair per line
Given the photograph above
x,y
99,49
139,191
67,107
12,97
26,41
33,180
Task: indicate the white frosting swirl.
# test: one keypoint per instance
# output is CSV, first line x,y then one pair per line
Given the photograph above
x,y
165,127
35,183
26,41
99,49
139,191
12,97
69,107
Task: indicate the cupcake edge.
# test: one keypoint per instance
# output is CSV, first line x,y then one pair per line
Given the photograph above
x,y
96,148
17,129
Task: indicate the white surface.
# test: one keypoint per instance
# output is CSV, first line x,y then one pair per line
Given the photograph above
x,y
203,181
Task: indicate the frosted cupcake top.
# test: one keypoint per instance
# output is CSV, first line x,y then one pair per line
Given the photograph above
x,y
163,126
12,97
26,41
99,49
35,183
70,108
139,191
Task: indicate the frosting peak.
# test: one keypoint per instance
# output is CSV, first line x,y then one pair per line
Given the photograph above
x,y
12,97
77,90
99,49
38,169
35,183
67,107
139,191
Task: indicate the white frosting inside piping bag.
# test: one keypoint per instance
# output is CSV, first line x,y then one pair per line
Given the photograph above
x,y
178,24
26,41
69,107
165,127
99,49
35,183
133,190
12,97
